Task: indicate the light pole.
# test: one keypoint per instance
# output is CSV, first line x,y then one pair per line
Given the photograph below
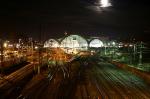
x,y
32,50
113,45
105,46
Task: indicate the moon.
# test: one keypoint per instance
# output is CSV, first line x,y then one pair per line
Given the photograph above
x,y
104,3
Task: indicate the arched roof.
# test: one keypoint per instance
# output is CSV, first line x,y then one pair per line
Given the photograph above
x,y
96,43
74,41
51,43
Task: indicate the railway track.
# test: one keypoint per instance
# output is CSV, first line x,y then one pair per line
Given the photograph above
x,y
118,83
91,81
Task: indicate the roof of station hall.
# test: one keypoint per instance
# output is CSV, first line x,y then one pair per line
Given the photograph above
x,y
88,39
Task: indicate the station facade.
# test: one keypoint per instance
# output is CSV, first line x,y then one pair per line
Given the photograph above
x,y
75,43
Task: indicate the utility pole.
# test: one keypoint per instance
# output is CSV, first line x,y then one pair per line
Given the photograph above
x,y
32,50
19,46
134,52
40,59
2,56
105,49
140,53
39,47
39,65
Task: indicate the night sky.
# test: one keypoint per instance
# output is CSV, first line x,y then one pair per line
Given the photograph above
x,y
125,19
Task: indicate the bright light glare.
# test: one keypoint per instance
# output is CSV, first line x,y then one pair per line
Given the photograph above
x,y
17,45
5,45
113,43
36,47
105,3
131,45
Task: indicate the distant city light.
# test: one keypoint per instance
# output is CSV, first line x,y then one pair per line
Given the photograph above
x,y
5,44
10,45
17,45
120,46
36,47
125,45
108,44
113,43
105,3
131,45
